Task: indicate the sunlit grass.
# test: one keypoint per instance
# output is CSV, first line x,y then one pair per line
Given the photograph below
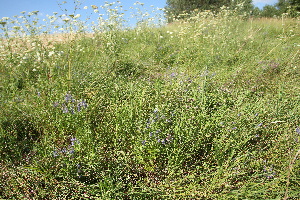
x,y
206,107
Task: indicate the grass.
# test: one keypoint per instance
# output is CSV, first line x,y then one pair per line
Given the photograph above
x,y
204,108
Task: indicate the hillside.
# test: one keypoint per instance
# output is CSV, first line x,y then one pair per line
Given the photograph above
x,y
204,108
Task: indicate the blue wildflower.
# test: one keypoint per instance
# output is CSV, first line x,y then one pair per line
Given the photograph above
x,y
65,109
73,141
298,130
68,97
71,150
259,125
64,150
55,104
55,153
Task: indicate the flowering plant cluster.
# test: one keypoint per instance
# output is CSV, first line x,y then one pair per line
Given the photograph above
x,y
71,105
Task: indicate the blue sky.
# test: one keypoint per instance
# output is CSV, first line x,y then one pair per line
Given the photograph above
x,y
10,8
262,3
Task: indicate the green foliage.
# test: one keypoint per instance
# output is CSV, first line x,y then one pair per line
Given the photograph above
x,y
175,8
269,11
180,9
203,108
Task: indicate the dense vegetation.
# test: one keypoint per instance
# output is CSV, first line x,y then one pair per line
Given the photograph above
x,y
203,108
178,9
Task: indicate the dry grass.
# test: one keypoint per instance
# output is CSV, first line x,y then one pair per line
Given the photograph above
x,y
45,41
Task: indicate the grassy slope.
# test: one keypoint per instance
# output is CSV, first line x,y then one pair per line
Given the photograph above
x,y
207,108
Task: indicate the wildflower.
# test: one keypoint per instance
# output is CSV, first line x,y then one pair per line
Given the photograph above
x,y
143,142
55,153
35,12
73,141
3,23
94,7
71,151
64,150
66,19
85,7
298,130
51,53
76,16
65,109
81,104
69,97
259,125
169,138
173,74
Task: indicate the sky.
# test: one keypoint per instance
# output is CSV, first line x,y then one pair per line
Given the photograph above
x,y
261,3
10,8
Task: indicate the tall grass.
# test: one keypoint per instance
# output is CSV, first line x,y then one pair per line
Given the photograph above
x,y
203,108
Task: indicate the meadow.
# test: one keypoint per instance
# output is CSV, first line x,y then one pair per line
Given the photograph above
x,y
206,107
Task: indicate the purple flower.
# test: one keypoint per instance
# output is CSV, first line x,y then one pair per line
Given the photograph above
x,y
143,142
84,104
81,104
64,150
259,125
169,138
298,130
71,150
73,141
55,104
65,109
173,74
55,153
69,97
